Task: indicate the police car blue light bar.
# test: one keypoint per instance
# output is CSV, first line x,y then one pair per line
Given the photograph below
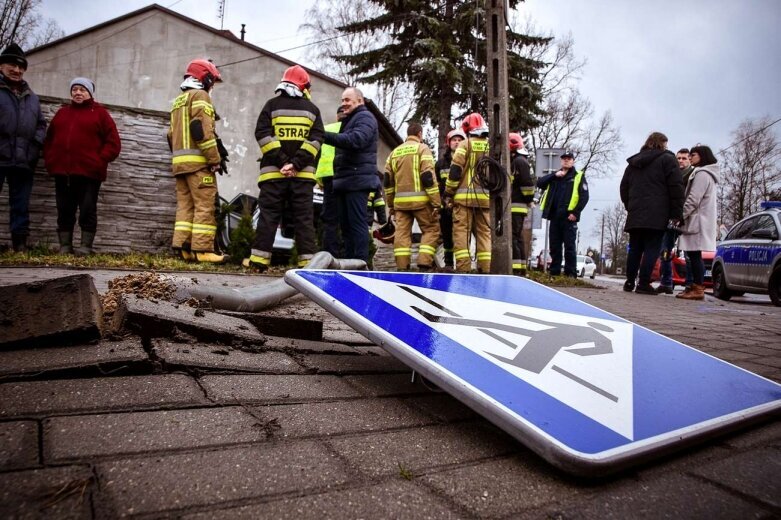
x,y
768,204
588,391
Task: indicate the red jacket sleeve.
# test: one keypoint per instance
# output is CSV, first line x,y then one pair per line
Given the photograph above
x,y
111,142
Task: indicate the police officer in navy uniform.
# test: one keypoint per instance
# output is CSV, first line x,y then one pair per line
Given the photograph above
x,y
565,196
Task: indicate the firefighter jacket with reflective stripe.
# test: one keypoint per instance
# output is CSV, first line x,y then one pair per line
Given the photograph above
x,y
563,195
193,151
410,181
461,183
289,130
325,165
522,189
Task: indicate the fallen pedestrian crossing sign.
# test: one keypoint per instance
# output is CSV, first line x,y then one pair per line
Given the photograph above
x,y
590,392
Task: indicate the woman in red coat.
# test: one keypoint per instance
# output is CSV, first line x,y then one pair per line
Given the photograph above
x,y
80,142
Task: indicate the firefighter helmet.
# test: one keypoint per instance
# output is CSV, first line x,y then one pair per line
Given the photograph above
x,y
204,71
455,133
385,233
297,76
515,141
474,124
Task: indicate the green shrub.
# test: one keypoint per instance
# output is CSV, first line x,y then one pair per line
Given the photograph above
x,y
241,239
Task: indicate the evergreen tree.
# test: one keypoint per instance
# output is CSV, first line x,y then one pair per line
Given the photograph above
x,y
439,47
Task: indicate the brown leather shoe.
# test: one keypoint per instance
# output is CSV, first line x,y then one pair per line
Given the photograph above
x,y
697,292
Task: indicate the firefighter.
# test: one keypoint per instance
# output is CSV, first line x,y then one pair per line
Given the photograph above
x,y
375,209
521,195
196,162
454,137
468,198
412,194
289,131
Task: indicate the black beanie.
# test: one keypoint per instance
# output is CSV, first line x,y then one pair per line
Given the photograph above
x,y
13,54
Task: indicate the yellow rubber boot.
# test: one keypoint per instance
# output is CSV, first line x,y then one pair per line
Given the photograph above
x,y
211,258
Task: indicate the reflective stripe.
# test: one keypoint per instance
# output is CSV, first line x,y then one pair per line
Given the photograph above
x,y
304,122
181,225
272,172
461,253
484,255
466,195
286,112
189,158
527,190
189,151
426,249
402,251
519,265
206,106
307,147
205,145
271,143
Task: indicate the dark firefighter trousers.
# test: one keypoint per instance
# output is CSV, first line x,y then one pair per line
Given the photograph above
x,y
519,248
275,196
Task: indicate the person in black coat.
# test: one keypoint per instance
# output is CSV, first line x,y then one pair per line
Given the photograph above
x,y
22,131
355,171
652,193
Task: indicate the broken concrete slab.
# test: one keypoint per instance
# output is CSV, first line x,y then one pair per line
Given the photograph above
x,y
282,326
61,311
756,474
63,492
86,437
106,356
175,483
252,388
18,445
220,357
157,318
348,337
303,346
65,396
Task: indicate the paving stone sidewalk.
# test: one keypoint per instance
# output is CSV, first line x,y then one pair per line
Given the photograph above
x,y
153,427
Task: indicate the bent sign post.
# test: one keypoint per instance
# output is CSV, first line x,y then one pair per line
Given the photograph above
x,y
588,391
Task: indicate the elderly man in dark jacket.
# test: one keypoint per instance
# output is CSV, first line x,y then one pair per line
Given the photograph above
x,y
355,171
22,131
652,193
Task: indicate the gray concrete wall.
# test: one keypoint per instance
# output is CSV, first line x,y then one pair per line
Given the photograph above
x,y
139,62
137,203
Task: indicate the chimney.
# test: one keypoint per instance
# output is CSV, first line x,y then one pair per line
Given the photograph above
x,y
243,31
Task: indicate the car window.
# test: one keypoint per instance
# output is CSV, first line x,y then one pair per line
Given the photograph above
x,y
742,229
765,222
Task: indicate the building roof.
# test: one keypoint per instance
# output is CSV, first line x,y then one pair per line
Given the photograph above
x,y
387,132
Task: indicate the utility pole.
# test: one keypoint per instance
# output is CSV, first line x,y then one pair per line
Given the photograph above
x,y
498,123
602,247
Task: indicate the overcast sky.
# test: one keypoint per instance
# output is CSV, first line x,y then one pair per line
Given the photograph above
x,y
693,69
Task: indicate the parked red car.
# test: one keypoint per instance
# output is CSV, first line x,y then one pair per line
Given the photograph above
x,y
679,269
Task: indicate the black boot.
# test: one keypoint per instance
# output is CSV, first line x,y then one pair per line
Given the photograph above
x,y
19,243
87,238
66,242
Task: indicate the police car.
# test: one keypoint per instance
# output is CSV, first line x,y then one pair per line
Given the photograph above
x,y
748,260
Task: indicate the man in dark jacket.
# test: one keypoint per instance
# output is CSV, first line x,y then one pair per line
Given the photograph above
x,y
22,131
671,235
355,171
565,196
652,193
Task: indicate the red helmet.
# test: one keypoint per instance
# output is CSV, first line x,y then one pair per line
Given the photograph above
x,y
515,141
455,133
386,233
472,122
203,70
297,76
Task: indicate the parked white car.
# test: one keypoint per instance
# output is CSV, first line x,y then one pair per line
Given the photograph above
x,y
586,267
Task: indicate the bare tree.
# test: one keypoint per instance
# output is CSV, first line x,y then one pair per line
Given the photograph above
x,y
393,99
569,120
20,22
615,240
750,169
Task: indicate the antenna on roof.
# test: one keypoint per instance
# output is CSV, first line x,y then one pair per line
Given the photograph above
x,y
243,32
221,12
